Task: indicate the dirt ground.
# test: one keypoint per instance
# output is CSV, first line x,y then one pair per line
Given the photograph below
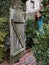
x,y
5,63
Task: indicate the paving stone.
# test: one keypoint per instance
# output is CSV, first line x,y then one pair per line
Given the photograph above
x,y
32,63
27,59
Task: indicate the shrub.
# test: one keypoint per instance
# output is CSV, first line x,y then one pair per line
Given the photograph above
x,y
2,51
4,25
30,32
41,50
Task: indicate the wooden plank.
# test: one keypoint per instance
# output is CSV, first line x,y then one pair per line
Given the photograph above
x,y
17,34
15,22
16,53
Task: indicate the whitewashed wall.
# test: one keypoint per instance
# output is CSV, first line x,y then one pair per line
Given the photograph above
x,y
29,6
32,8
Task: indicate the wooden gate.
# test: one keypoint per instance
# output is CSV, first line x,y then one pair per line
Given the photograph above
x,y
17,36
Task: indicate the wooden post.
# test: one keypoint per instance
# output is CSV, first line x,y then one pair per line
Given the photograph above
x,y
11,35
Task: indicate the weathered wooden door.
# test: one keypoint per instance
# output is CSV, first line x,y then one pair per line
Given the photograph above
x,y
17,36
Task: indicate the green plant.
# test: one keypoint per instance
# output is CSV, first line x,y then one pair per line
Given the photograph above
x,y
4,30
41,49
30,32
4,18
4,25
39,38
2,51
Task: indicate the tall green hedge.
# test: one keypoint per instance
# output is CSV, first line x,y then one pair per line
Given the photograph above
x,y
4,18
4,25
